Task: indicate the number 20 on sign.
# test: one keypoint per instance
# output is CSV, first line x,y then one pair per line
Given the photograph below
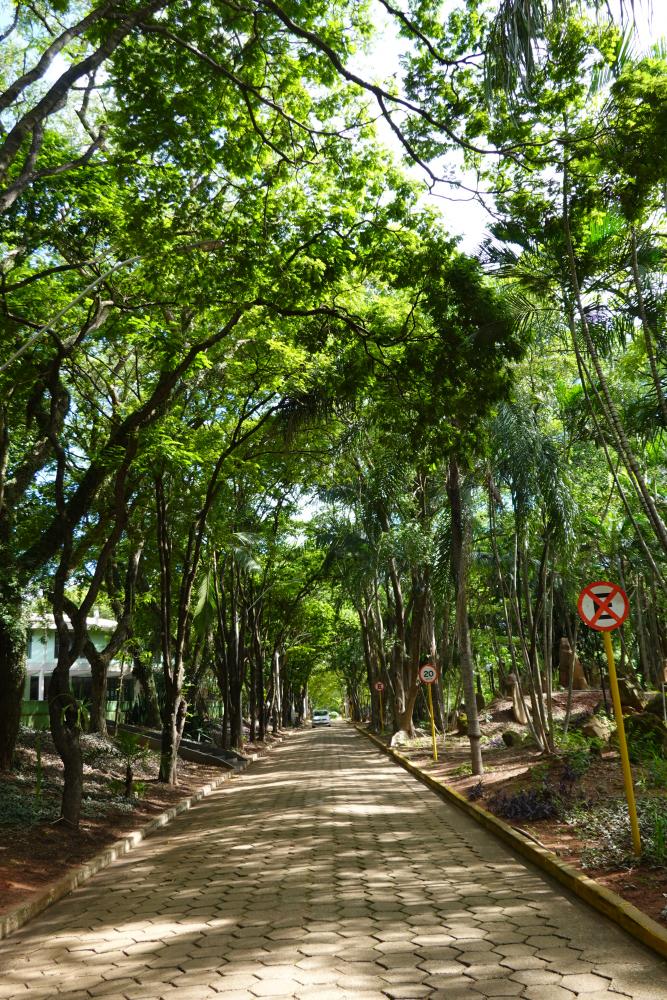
x,y
603,606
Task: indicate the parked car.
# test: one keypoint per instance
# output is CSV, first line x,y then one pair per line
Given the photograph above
x,y
321,717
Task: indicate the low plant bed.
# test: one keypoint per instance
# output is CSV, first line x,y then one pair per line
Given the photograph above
x,y
36,851
573,804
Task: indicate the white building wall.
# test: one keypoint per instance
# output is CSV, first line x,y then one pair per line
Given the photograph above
x,y
41,661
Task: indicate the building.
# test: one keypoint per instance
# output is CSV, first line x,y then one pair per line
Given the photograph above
x,y
42,656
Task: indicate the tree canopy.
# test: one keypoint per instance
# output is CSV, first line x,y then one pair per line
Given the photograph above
x,y
256,399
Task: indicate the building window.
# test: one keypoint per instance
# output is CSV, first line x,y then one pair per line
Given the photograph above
x,y
47,685
28,644
82,688
34,688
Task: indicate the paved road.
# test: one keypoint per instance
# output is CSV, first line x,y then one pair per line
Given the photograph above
x,y
324,872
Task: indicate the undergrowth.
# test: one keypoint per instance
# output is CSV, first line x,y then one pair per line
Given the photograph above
x,y
553,789
20,809
609,826
534,803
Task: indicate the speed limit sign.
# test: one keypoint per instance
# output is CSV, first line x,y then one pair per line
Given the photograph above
x,y
427,673
379,686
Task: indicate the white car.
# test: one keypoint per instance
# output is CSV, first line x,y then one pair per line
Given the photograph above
x,y
321,717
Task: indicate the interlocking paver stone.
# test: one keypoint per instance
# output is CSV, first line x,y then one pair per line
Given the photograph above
x,y
548,993
306,878
518,962
586,983
498,988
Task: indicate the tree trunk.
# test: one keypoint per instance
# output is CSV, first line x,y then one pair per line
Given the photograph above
x,y
65,719
99,667
252,703
644,662
570,678
236,711
144,675
259,696
368,662
100,659
12,665
172,732
287,702
276,683
460,573
420,585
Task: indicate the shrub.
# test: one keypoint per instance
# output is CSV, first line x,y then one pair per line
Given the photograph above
x,y
528,804
118,788
575,764
132,753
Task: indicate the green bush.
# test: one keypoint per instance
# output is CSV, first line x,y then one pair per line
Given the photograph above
x,y
571,740
117,787
132,752
576,763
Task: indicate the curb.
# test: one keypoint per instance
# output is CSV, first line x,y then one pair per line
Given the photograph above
x,y
20,915
642,927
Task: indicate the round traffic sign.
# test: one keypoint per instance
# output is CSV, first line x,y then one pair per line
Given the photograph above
x,y
603,606
379,686
427,673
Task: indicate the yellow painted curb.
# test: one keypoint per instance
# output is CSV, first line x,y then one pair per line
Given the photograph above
x,y
627,916
17,917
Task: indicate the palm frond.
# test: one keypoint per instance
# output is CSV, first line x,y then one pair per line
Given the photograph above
x,y
605,227
528,462
516,32
603,75
204,613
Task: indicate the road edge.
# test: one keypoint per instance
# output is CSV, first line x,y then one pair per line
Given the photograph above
x,y
642,927
23,913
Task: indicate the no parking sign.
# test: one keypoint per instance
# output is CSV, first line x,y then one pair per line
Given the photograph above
x,y
603,606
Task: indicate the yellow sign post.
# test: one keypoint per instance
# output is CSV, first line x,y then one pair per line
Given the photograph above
x,y
379,687
428,675
430,710
603,606
622,744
